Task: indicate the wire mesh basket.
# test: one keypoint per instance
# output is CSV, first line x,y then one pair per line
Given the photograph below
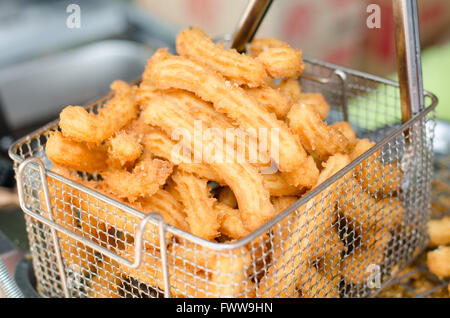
x,y
346,238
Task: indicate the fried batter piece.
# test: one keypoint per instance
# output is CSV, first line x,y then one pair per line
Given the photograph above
x,y
356,267
304,237
75,155
119,111
439,231
198,205
282,62
226,196
195,45
244,180
319,140
257,46
205,113
279,59
438,261
322,282
230,221
376,177
168,71
291,260
290,87
365,212
273,100
124,148
317,102
346,129
304,176
206,274
158,143
145,180
278,185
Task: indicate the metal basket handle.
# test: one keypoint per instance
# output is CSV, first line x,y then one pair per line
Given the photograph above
x,y
407,40
138,245
409,62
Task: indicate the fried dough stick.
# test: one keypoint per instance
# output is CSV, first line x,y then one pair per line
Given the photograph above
x,y
224,275
282,62
290,87
365,212
355,267
321,210
162,146
195,45
346,129
316,101
376,177
245,181
319,140
124,148
278,185
75,155
273,100
305,236
95,214
168,71
159,144
198,205
230,221
226,196
439,231
205,112
438,261
304,176
279,59
291,261
257,46
119,111
144,181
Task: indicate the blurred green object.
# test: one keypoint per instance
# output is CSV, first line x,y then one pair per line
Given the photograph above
x,y
436,77
383,102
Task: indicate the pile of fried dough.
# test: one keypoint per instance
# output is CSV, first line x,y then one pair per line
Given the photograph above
x,y
129,144
438,260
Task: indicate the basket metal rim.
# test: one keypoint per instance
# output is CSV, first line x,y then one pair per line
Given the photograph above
x,y
262,229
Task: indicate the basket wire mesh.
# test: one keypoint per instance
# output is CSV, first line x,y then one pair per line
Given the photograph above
x,y
346,238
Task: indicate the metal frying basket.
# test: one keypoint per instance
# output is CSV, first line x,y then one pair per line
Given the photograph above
x,y
85,244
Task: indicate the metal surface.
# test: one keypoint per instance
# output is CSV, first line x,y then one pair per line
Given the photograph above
x,y
8,287
249,23
99,237
30,29
48,203
90,72
409,61
24,277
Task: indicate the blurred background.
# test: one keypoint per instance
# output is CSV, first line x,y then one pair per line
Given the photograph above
x,y
46,64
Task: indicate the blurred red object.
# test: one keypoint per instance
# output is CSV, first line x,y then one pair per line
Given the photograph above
x,y
330,30
379,55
